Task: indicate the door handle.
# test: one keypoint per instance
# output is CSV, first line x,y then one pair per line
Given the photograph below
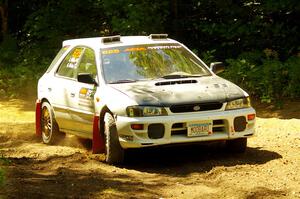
x,y
72,94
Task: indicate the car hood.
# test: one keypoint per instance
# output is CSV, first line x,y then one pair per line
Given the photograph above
x,y
180,91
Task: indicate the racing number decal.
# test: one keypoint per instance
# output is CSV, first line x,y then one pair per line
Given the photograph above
x,y
75,58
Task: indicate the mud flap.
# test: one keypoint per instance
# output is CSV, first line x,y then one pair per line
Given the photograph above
x,y
98,140
38,112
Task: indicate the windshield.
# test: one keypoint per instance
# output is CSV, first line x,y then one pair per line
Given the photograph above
x,y
145,62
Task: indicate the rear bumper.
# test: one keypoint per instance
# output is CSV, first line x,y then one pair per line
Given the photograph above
x,y
223,128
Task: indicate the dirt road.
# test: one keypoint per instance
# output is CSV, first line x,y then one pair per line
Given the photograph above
x,y
270,168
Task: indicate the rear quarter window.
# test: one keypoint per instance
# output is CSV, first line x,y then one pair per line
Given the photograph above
x,y
57,57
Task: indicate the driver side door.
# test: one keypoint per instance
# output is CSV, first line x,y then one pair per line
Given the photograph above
x,y
81,96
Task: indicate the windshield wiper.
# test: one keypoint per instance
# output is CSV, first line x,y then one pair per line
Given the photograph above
x,y
123,81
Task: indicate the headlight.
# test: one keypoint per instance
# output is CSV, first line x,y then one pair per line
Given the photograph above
x,y
144,111
239,103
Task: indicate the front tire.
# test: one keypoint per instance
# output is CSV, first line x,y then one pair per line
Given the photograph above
x,y
50,130
114,153
237,145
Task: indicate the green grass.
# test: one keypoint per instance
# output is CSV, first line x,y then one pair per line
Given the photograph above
x,y
1,177
3,161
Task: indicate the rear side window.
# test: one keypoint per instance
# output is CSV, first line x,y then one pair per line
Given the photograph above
x,y
57,57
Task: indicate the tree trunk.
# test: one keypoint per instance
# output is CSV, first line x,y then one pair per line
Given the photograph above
x,y
4,16
175,17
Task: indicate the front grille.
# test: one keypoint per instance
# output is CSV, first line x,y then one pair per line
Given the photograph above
x,y
179,129
181,108
219,126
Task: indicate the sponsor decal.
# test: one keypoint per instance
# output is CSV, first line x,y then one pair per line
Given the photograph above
x,y
86,96
134,49
86,93
163,47
111,51
76,54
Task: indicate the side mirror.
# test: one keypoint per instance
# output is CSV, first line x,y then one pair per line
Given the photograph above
x,y
86,78
217,67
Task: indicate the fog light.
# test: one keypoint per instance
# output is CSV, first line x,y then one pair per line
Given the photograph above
x,y
251,117
240,123
137,126
156,131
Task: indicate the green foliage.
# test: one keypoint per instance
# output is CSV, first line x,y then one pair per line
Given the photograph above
x,y
65,19
239,32
208,56
3,161
56,21
264,76
232,27
17,81
27,54
292,66
12,76
1,177
134,17
9,51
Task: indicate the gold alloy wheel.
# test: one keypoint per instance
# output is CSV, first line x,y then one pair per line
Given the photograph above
x,y
46,123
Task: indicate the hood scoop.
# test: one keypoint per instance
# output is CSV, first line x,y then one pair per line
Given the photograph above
x,y
192,81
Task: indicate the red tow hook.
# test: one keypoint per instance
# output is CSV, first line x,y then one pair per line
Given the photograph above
x,y
38,113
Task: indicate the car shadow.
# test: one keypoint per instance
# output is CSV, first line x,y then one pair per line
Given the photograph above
x,y
183,160
30,178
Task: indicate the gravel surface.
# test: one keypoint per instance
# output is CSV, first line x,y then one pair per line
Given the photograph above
x,y
268,169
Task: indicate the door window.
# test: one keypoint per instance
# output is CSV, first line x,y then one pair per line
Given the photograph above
x,y
88,63
70,64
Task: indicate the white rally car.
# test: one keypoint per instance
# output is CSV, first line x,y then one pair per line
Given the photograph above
x,y
139,91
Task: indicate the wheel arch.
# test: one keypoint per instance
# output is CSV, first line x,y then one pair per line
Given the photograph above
x,y
45,100
98,131
103,111
114,153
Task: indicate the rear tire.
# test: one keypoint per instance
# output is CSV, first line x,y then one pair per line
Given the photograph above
x,y
237,145
50,130
114,153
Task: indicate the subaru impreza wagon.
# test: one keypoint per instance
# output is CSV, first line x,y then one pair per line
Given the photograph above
x,y
139,91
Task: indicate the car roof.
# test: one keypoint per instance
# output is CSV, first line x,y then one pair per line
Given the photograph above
x,y
114,41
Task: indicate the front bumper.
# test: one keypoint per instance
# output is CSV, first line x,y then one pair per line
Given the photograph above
x,y
175,128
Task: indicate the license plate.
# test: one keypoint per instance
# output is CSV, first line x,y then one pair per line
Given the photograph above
x,y
202,128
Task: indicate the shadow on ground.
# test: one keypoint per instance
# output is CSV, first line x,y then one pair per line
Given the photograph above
x,y
81,176
27,178
183,160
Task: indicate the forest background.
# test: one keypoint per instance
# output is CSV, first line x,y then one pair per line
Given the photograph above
x,y
258,40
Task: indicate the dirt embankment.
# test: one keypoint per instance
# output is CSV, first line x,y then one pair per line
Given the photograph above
x,y
269,168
